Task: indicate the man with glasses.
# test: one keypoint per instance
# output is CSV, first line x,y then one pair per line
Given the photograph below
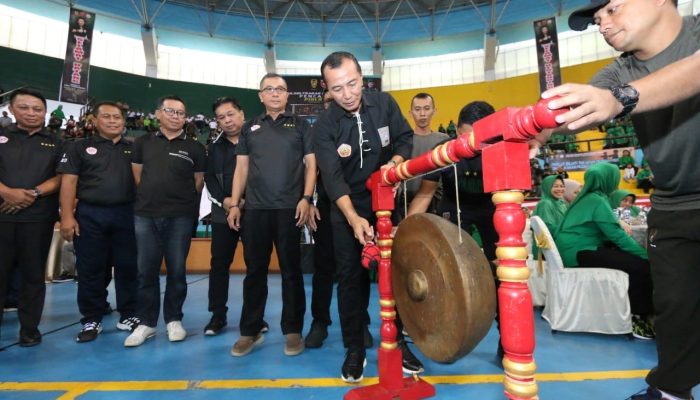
x,y
29,155
97,172
276,166
168,169
359,134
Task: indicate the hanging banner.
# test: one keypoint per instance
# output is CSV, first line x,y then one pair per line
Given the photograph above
x,y
306,94
76,67
547,53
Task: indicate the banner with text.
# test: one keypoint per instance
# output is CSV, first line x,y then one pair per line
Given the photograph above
x,y
547,45
76,67
582,161
306,94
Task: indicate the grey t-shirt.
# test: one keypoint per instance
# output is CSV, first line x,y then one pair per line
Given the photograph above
x,y
421,144
669,136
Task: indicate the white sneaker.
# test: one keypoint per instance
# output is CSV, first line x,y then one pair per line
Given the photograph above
x,y
140,334
176,333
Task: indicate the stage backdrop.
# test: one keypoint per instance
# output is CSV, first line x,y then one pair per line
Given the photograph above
x,y
76,67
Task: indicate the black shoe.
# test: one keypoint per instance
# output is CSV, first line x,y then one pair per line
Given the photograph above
x,y
128,324
317,333
89,332
411,364
353,366
367,338
265,327
29,338
215,326
64,277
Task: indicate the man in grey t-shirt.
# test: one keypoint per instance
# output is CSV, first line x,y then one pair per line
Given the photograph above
x,y
424,139
655,79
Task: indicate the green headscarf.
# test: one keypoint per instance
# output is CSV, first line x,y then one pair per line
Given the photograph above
x,y
601,180
549,208
617,196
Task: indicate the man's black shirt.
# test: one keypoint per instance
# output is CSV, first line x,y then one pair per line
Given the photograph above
x,y
276,150
26,162
167,187
221,165
337,146
103,169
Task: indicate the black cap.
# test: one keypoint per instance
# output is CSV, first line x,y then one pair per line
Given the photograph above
x,y
581,18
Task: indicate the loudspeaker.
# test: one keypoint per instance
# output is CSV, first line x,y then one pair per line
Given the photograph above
x,y
377,63
150,50
270,60
490,55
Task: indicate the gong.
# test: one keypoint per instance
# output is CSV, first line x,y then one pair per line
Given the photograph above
x,y
444,289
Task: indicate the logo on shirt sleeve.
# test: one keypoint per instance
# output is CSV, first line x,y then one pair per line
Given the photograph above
x,y
254,128
4,139
91,150
344,150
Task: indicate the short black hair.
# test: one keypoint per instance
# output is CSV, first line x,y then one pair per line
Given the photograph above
x,y
473,112
28,92
170,97
423,95
334,60
271,75
96,107
226,100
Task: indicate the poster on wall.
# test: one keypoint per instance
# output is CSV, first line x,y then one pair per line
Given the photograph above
x,y
76,67
583,161
547,44
306,94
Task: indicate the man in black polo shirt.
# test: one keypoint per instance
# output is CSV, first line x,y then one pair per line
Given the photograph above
x,y
97,171
28,207
168,169
359,134
277,168
219,177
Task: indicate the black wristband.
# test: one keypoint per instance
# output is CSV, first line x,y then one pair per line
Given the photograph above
x,y
308,198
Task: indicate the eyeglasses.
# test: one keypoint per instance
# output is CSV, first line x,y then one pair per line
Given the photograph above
x,y
278,89
173,112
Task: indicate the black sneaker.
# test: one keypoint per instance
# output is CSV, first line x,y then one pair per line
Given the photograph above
x,y
317,334
411,364
29,338
265,328
128,324
642,328
215,326
64,277
353,366
89,332
367,338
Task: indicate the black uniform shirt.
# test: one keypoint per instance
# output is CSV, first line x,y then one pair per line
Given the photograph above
x,y
167,187
337,146
26,162
276,150
103,168
220,167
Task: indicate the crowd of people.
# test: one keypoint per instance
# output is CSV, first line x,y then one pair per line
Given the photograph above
x,y
130,205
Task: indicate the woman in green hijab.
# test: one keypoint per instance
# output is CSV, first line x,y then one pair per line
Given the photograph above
x,y
551,207
624,199
591,237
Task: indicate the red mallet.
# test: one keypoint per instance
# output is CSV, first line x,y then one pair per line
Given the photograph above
x,y
370,256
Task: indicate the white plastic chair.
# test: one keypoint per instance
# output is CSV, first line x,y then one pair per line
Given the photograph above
x,y
537,281
582,299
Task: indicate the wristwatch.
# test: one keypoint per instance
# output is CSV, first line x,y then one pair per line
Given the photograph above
x,y
627,95
308,198
36,192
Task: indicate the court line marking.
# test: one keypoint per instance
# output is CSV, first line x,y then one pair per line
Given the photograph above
x,y
75,389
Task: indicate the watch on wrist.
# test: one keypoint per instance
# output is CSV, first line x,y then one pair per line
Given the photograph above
x,y
37,193
627,95
308,198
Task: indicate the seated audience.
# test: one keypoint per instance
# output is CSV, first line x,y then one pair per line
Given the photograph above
x,y
551,207
645,178
571,189
624,199
591,237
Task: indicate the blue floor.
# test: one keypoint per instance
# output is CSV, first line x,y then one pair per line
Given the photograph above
x,y
570,366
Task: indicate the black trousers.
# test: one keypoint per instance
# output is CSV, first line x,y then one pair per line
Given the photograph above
x,y
223,248
106,239
674,254
261,229
324,265
637,268
353,286
481,215
25,245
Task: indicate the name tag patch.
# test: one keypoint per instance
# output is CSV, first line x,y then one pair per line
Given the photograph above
x,y
91,150
4,139
384,135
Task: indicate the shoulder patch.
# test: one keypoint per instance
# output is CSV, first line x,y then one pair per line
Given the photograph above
x,y
344,150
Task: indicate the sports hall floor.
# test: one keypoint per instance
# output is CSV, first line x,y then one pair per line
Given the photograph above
x,y
570,366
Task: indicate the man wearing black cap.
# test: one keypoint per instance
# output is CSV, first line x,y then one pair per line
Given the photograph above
x,y
655,79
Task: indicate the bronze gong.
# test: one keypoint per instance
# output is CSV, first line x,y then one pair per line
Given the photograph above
x,y
444,290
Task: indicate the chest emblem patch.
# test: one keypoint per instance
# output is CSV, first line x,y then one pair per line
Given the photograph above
x,y
344,150
3,139
254,128
91,150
